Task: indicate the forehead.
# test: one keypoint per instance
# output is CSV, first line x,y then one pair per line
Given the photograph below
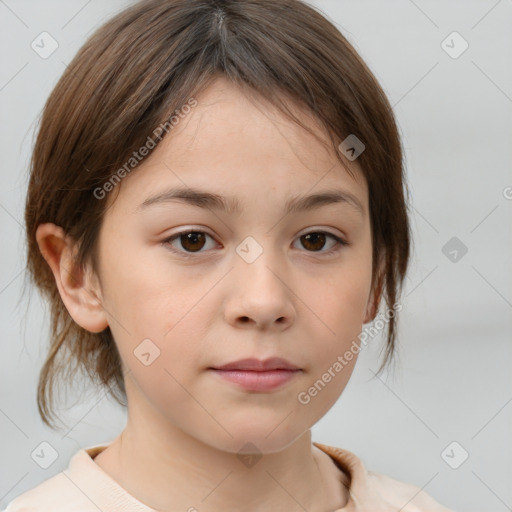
x,y
234,141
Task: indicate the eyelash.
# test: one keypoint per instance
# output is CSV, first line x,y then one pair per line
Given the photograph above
x,y
340,242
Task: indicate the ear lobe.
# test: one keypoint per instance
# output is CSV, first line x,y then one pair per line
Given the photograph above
x,y
78,287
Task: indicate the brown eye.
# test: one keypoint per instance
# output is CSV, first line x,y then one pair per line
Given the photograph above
x,y
190,242
313,241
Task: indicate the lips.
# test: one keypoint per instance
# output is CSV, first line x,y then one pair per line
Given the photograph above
x,y
257,365
257,376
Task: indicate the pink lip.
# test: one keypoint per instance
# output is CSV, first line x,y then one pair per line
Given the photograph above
x,y
257,380
252,364
256,375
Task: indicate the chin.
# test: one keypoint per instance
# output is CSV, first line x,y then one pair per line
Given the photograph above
x,y
258,438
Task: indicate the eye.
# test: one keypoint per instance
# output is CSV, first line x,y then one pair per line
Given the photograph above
x,y
314,241
191,241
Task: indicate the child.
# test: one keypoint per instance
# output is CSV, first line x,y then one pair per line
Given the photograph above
x,y
252,126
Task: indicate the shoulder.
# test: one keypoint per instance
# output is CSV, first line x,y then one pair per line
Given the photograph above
x,y
76,488
55,494
375,492
400,495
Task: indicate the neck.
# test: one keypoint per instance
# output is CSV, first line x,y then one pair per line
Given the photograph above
x,y
173,471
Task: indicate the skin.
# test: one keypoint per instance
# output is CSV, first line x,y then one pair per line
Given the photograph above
x,y
185,425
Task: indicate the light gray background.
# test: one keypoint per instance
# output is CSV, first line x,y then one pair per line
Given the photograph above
x,y
454,380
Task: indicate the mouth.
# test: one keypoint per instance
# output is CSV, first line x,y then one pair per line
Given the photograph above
x,y
257,365
257,375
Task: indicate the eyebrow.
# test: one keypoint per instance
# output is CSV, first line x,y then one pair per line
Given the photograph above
x,y
231,205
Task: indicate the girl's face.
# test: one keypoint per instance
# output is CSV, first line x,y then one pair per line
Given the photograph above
x,y
257,281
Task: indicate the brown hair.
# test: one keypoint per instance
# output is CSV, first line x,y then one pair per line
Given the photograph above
x,y
139,68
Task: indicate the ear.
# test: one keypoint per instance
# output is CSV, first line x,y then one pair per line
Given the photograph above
x,y
78,287
374,300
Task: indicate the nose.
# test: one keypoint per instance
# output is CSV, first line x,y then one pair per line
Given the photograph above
x,y
260,296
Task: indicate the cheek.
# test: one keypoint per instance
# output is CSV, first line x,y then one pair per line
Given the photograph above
x,y
340,309
164,322
147,295
341,302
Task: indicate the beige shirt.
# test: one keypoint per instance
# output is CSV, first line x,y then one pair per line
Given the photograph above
x,y
85,487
